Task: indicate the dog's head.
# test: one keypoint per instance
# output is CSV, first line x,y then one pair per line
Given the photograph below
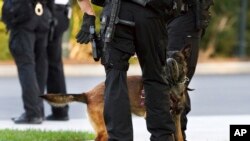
x,y
177,65
176,76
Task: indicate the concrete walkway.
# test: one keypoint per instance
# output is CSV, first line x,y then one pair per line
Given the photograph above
x,y
200,128
98,70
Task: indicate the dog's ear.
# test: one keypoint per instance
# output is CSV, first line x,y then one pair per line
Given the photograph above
x,y
186,50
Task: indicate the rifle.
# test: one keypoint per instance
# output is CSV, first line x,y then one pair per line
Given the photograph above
x,y
113,20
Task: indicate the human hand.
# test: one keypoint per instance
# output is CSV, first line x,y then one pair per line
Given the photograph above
x,y
84,35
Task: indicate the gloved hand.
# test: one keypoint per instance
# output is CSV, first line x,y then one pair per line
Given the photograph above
x,y
83,35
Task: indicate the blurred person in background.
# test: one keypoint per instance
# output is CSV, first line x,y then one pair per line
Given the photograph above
x,y
28,23
56,80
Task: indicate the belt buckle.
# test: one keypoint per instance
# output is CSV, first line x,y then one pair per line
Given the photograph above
x,y
39,9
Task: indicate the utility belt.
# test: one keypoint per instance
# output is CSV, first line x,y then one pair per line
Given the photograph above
x,y
60,7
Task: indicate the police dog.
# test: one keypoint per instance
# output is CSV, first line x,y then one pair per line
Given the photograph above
x,y
176,76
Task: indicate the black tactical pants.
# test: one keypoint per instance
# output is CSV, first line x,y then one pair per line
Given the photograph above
x,y
28,44
182,31
56,79
148,40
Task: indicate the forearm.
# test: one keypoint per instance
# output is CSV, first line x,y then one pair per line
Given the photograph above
x,y
86,7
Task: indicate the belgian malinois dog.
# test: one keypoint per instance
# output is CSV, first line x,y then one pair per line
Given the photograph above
x,y
176,68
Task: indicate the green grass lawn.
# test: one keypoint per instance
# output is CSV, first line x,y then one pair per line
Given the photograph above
x,y
39,135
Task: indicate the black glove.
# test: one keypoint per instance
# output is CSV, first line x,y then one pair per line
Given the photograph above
x,y
160,5
83,35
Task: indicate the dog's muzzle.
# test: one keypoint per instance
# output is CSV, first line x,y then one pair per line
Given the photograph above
x,y
173,70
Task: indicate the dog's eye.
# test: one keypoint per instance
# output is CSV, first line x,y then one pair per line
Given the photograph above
x,y
177,58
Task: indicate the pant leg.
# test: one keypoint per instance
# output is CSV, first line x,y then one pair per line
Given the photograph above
x,y
29,52
116,107
151,50
56,79
22,44
117,113
41,43
41,63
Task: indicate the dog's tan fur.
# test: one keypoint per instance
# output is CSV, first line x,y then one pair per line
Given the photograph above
x,y
95,98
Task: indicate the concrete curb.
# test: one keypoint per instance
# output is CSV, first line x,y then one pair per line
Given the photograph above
x,y
98,70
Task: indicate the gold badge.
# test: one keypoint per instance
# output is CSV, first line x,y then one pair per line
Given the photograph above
x,y
39,9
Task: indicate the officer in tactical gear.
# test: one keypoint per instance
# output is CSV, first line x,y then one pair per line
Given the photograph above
x,y
132,26
28,44
188,27
56,80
